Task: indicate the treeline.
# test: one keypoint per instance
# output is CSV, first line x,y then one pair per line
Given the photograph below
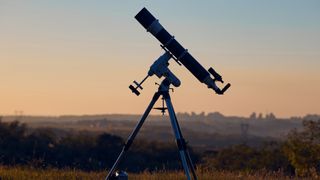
x,y
88,151
298,155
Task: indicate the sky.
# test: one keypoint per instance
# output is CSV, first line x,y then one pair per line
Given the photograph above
x,y
79,57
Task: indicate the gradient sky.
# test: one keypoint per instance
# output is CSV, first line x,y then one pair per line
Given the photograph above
x,y
79,57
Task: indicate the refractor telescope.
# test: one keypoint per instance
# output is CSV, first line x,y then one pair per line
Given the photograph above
x,y
175,50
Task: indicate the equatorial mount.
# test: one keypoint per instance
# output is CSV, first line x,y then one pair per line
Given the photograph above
x,y
160,68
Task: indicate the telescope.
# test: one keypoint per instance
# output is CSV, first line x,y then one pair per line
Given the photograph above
x,y
173,50
178,53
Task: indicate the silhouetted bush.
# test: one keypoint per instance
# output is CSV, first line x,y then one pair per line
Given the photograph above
x,y
303,149
298,155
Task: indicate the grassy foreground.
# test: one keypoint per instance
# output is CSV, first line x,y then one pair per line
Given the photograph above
x,y
25,173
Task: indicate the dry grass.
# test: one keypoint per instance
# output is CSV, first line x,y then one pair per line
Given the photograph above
x,y
26,173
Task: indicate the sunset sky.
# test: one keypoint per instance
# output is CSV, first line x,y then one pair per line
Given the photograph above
x,y
79,57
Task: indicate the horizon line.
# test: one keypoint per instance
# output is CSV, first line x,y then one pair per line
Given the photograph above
x,y
152,114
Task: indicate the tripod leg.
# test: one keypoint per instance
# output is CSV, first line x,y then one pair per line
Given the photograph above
x,y
179,139
189,160
133,134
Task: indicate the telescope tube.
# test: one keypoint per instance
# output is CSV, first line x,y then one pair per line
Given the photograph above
x,y
152,25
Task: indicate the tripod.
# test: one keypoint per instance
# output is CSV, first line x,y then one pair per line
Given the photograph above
x,y
183,151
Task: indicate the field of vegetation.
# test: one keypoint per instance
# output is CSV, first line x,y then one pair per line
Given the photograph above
x,y
42,154
26,173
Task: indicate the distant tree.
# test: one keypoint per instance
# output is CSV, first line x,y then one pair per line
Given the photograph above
x,y
270,116
202,115
303,149
215,116
253,116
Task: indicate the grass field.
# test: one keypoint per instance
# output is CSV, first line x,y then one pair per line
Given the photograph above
x,y
26,173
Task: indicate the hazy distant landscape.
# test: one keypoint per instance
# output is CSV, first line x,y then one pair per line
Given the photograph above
x,y
212,130
222,146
